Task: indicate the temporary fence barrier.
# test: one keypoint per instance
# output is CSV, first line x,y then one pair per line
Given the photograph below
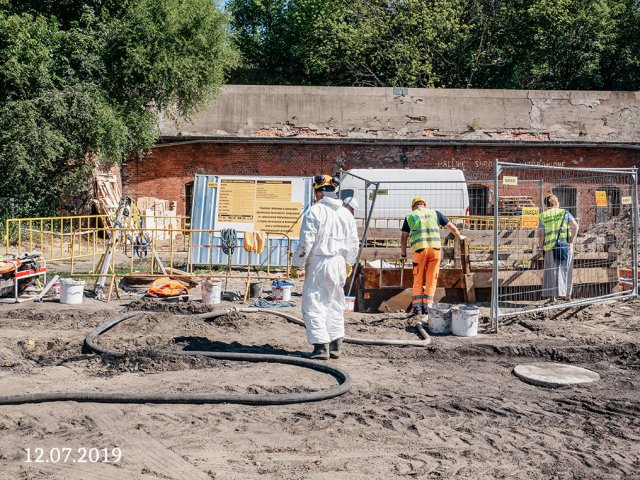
x,y
78,244
506,257
383,206
602,203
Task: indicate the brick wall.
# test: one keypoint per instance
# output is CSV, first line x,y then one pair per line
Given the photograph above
x,y
166,171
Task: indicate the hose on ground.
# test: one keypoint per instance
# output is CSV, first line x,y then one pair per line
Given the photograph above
x,y
342,377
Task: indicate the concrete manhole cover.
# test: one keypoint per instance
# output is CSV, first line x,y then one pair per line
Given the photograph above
x,y
554,375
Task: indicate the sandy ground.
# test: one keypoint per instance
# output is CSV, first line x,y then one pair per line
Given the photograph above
x,y
451,410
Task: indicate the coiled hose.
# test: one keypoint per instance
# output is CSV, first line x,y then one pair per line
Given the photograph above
x,y
342,377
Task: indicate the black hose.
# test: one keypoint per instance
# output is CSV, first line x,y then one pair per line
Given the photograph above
x,y
343,378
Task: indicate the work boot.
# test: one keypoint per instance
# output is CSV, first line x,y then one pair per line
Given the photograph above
x,y
419,309
335,349
320,351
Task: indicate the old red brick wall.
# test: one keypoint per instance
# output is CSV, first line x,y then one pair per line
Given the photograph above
x,y
166,171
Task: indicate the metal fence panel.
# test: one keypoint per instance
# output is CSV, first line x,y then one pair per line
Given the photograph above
x,y
527,277
206,241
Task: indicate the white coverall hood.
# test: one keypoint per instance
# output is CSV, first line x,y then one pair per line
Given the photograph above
x,y
328,240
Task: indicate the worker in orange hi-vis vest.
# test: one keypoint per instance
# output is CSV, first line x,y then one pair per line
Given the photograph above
x,y
422,228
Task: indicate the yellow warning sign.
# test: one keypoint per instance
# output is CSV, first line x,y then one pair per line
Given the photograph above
x,y
506,180
530,218
212,184
625,200
601,198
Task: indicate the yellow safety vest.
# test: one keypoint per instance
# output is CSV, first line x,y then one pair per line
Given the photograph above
x,y
425,231
552,221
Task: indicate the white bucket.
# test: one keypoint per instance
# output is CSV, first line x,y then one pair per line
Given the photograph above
x,y
211,292
349,304
71,291
439,318
464,320
282,293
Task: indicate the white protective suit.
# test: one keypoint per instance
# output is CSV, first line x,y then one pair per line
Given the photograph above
x,y
328,241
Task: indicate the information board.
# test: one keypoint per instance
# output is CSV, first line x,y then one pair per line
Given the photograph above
x,y
267,205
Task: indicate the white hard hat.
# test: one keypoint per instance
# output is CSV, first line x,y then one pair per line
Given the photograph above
x,y
352,202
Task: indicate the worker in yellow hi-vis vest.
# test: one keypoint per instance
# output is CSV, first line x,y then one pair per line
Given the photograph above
x,y
556,235
422,228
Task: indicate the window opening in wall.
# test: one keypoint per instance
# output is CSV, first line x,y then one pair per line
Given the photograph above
x,y
478,200
567,197
613,204
188,199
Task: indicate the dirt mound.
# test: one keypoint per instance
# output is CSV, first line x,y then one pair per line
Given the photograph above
x,y
145,360
155,305
48,352
613,233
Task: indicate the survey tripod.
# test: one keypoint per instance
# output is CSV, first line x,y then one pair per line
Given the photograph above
x,y
124,221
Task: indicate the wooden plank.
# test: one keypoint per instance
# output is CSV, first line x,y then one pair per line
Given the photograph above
x,y
527,278
398,303
393,253
484,237
453,277
469,288
448,277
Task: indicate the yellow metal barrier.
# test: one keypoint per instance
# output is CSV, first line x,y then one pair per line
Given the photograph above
x,y
62,238
77,245
468,222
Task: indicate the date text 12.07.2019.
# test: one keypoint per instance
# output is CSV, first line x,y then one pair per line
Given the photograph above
x,y
73,455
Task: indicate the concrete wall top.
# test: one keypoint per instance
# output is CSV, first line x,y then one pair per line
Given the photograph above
x,y
414,113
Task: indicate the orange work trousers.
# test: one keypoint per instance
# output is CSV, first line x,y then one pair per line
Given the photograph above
x,y
426,266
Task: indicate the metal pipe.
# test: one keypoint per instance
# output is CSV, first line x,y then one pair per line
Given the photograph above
x,y
634,230
494,282
364,235
571,304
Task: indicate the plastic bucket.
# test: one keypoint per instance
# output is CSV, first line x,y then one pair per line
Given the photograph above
x,y
439,318
211,292
71,291
349,304
282,293
255,290
464,320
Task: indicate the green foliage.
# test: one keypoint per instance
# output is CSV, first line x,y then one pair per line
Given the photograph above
x,y
537,44
81,83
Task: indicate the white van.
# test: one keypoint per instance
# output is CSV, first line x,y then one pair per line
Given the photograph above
x,y
444,190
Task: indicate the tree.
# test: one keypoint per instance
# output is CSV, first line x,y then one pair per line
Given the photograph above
x,y
81,82
531,44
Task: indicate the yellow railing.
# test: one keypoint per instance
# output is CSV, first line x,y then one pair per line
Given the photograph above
x,y
57,238
63,238
467,222
77,245
477,222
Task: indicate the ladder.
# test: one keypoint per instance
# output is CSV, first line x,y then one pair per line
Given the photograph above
x,y
123,219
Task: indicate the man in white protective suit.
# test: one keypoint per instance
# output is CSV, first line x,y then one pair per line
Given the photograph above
x,y
328,243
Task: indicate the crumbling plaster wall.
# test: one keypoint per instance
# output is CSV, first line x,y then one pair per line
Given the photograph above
x,y
350,112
